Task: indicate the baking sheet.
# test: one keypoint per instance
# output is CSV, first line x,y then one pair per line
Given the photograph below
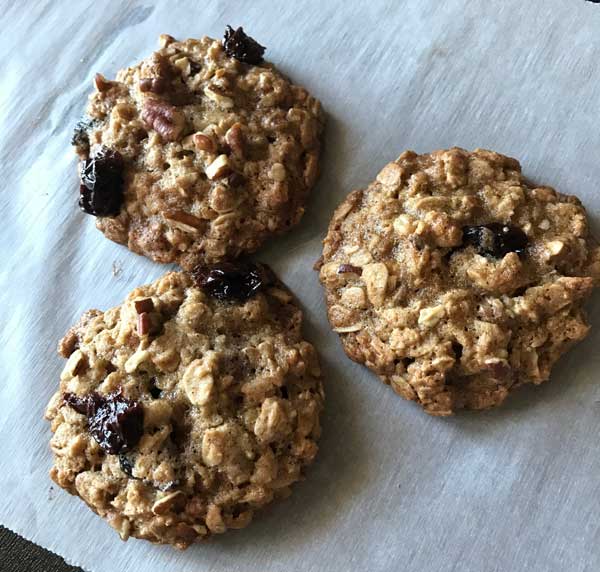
x,y
392,489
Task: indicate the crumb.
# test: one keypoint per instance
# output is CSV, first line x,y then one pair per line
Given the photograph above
x,y
117,269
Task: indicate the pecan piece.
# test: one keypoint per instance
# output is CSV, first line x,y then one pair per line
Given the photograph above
x,y
143,305
165,119
235,139
204,142
349,269
218,168
143,325
153,84
102,84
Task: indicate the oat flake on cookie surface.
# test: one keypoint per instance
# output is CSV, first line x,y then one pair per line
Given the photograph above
x,y
198,153
456,280
190,406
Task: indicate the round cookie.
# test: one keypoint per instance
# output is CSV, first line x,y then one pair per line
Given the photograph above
x,y
199,153
455,280
190,406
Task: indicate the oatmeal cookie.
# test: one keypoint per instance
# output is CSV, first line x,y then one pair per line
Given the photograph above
x,y
190,406
198,153
456,280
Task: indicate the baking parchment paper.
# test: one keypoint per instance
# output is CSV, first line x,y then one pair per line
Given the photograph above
x,y
392,489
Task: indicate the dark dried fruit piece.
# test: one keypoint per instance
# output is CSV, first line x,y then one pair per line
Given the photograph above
x,y
495,239
228,281
242,47
115,422
101,190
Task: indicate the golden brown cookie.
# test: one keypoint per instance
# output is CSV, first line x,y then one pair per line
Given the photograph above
x,y
190,406
455,280
199,153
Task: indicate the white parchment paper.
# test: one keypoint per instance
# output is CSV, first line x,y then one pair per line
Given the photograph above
x,y
392,489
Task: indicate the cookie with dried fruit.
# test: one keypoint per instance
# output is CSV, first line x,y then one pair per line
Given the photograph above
x,y
456,280
188,425
211,151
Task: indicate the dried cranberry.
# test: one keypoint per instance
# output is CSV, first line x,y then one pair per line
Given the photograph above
x,y
242,47
102,184
495,239
114,421
228,281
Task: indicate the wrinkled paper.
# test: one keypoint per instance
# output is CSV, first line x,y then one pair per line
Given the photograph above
x,y
392,489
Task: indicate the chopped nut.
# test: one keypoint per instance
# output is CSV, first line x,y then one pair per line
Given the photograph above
x,y
165,119
101,83
135,360
204,143
235,139
278,172
153,84
429,317
74,365
164,504
68,344
143,326
555,247
375,277
349,269
164,40
218,168
183,64
222,101
143,305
